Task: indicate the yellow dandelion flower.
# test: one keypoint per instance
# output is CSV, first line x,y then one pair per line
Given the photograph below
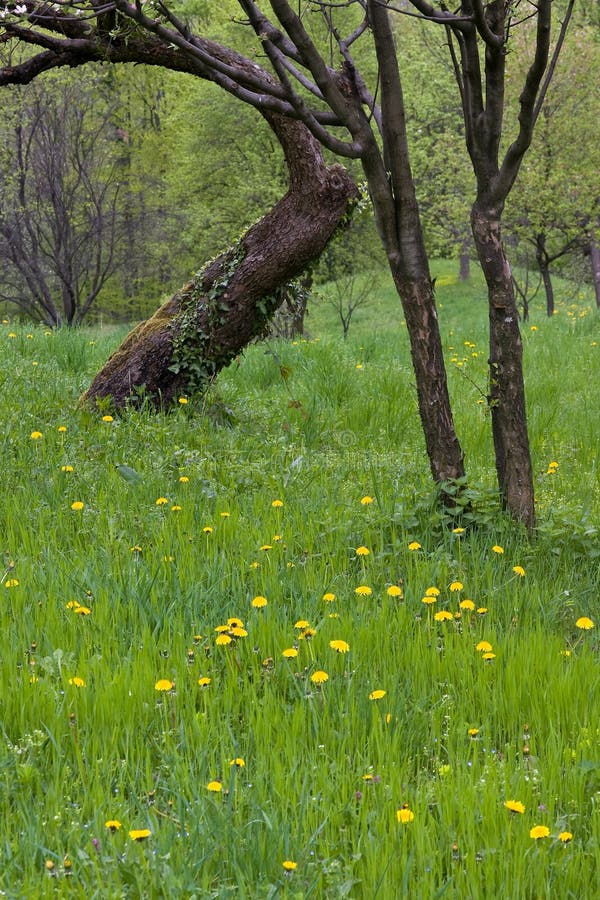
x,y
319,677
62,429
307,634
458,530
328,597
414,545
443,616
565,837
259,602
176,508
184,479
11,583
377,695
266,547
363,590
498,549
235,622
366,500
163,684
238,632
36,435
223,640
161,501
339,646
481,610
76,681
208,529
225,514
405,815
362,551
107,419
539,831
182,401
277,504
290,653
467,604
483,646
139,834
204,681
48,864
514,806
473,732
394,591
77,506
112,825
289,865
429,599
83,610
66,468
519,570
456,586
238,762
585,623
488,656
432,591
215,787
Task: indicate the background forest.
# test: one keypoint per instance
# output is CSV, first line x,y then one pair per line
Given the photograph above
x,y
118,182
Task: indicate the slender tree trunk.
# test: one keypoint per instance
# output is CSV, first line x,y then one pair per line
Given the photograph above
x,y
595,261
543,262
465,262
443,448
506,390
206,324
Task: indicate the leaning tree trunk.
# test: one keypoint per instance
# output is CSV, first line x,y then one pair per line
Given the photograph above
x,y
506,389
206,324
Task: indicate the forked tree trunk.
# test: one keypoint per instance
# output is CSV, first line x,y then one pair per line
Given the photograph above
x,y
206,324
506,388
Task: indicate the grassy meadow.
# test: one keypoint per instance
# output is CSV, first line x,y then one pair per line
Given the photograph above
x,y
245,655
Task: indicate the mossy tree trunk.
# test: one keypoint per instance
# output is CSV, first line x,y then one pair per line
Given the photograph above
x,y
206,324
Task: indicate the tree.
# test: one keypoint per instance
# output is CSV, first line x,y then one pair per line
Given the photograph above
x,y
555,205
58,201
308,88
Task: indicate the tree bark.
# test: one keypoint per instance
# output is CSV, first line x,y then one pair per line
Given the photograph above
x,y
206,324
595,261
443,448
506,389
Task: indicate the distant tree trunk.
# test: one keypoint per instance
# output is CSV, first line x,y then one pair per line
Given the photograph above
x,y
465,262
595,260
206,324
543,261
506,390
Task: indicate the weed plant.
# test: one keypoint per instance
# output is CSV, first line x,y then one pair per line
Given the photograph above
x,y
245,655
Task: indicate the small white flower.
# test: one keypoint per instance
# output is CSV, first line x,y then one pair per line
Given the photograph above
x,y
21,9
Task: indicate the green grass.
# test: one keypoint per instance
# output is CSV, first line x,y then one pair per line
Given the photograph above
x,y
158,581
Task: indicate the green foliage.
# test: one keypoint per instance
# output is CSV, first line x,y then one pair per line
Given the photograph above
x,y
326,768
